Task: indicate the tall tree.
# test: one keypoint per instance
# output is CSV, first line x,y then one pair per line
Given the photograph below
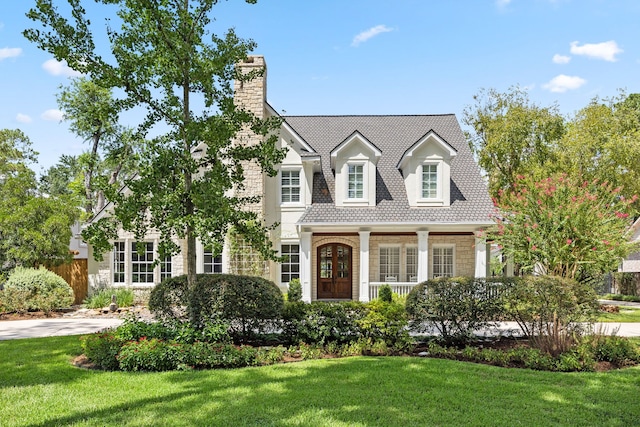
x,y
93,115
34,229
161,59
510,136
603,142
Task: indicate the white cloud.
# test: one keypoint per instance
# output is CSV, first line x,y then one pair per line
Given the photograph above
x,y
562,83
561,59
371,32
57,68
23,118
9,52
605,50
52,115
502,3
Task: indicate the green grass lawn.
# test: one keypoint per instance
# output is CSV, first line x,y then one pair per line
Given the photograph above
x,y
626,314
39,387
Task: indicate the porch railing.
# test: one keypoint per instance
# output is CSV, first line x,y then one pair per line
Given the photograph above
x,y
400,288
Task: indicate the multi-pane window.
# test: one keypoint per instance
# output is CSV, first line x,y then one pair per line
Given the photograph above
x,y
142,262
212,264
355,188
290,186
411,263
443,261
429,181
165,268
119,261
290,267
389,263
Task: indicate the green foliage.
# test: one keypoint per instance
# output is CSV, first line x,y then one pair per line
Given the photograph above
x,y
34,230
385,293
320,323
40,289
164,59
627,283
550,310
150,355
564,226
102,349
510,136
620,297
295,291
386,322
124,298
249,304
618,351
455,307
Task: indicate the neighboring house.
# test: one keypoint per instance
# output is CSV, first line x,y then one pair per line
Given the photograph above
x,y
360,201
632,263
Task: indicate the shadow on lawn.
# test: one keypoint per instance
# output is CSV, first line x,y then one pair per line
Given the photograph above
x,y
374,391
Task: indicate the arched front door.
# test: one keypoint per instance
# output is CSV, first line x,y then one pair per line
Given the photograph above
x,y
334,271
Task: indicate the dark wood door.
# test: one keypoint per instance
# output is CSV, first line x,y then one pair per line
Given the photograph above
x,y
334,271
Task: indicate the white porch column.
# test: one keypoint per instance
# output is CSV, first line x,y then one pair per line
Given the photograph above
x,y
364,265
481,255
305,265
423,256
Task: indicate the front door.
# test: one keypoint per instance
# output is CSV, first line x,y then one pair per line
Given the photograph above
x,y
334,271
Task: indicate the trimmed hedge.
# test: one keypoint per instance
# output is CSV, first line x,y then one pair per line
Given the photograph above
x,y
29,289
249,304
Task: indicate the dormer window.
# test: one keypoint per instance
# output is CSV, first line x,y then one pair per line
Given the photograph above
x,y
430,181
426,168
355,186
290,186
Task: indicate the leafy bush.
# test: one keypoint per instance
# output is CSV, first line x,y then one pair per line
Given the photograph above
x,y
620,297
295,291
551,310
385,293
618,351
455,307
150,355
103,348
320,323
249,304
124,298
40,289
386,322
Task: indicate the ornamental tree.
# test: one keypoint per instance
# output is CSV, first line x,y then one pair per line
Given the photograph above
x,y
164,59
563,226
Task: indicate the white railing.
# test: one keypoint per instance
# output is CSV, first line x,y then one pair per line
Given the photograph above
x,y
400,288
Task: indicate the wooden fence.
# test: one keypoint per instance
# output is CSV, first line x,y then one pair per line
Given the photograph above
x,y
76,274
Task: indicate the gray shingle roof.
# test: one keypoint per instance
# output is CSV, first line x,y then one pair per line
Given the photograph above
x,y
470,201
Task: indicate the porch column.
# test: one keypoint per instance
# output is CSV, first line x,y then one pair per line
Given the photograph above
x,y
305,265
364,265
423,256
481,255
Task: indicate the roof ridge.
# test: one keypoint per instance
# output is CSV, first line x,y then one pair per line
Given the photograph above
x,y
369,115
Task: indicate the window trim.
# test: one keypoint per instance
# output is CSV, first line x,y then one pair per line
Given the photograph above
x,y
133,248
213,262
290,273
389,246
289,170
123,263
438,199
451,246
364,198
406,264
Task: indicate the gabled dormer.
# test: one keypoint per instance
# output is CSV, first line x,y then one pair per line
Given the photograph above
x,y
295,174
426,168
354,162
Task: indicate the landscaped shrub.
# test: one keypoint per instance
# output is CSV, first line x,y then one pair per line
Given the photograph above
x,y
295,291
250,304
102,349
618,351
551,311
386,322
620,297
455,307
39,289
385,293
150,355
124,298
320,323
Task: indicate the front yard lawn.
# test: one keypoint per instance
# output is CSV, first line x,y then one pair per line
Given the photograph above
x,y
625,315
40,387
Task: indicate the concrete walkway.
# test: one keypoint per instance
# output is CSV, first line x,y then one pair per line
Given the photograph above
x,y
37,328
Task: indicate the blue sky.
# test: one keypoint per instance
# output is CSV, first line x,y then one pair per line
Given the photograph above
x,y
372,57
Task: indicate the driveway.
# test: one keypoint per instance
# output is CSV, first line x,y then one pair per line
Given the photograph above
x,y
36,328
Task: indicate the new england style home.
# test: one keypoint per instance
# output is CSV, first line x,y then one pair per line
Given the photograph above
x,y
360,201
